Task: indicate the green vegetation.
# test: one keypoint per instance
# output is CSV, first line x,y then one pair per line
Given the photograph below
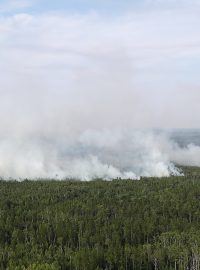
x,y
147,224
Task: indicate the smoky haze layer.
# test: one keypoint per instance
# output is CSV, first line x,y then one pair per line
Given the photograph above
x,y
90,154
74,88
138,69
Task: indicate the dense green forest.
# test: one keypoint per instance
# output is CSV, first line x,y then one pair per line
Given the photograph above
x,y
120,224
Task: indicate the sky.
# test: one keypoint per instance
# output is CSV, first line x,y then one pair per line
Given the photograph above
x,y
78,77
100,64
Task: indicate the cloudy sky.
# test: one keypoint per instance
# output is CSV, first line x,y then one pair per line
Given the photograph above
x,y
99,64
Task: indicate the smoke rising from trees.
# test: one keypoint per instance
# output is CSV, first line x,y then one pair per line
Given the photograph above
x,y
76,89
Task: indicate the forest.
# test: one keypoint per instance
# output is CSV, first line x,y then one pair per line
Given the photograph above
x,y
148,224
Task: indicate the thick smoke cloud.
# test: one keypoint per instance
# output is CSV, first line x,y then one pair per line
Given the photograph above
x,y
95,153
74,91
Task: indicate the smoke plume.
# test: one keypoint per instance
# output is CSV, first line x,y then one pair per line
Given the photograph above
x,y
79,92
93,154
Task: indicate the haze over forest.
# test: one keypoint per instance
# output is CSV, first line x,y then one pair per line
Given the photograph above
x,y
98,88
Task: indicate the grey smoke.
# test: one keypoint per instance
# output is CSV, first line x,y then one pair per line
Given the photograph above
x,y
93,154
74,89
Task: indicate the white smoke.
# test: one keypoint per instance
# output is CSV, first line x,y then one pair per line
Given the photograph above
x,y
93,154
73,87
